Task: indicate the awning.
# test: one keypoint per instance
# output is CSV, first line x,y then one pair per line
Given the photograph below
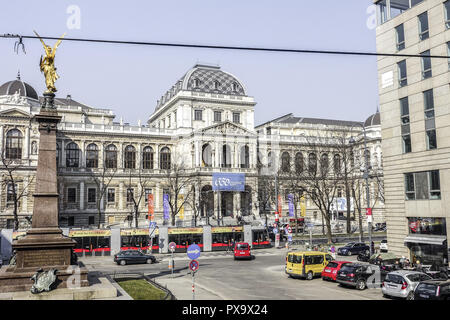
x,y
437,240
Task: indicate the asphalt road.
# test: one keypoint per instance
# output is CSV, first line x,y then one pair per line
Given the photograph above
x,y
221,277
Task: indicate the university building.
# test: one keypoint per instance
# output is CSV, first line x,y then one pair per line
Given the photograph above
x,y
204,123
415,115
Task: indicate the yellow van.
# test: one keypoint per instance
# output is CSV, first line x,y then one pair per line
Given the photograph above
x,y
306,264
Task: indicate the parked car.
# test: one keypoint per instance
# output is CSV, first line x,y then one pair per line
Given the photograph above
x,y
401,283
356,275
133,256
363,256
331,270
306,264
384,246
242,251
433,290
353,248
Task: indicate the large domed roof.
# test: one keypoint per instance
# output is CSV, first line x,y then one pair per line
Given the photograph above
x,y
205,78
373,120
24,89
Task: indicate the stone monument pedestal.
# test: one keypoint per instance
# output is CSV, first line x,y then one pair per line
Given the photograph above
x,y
44,246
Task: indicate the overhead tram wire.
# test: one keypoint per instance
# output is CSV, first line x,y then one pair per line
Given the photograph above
x,y
219,47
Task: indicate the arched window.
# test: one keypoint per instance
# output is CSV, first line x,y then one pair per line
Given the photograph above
x,y
337,163
92,156
299,163
164,158
13,144
312,163
72,155
285,162
130,157
196,83
111,157
235,87
324,163
206,155
216,85
226,156
147,158
245,157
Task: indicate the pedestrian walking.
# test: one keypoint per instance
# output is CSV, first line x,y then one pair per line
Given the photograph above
x,y
372,247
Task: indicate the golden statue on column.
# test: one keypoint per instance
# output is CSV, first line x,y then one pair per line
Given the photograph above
x,y
47,64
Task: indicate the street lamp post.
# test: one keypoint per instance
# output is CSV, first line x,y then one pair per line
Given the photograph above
x,y
366,178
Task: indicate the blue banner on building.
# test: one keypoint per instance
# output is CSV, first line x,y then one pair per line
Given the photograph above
x,y
228,182
166,206
291,204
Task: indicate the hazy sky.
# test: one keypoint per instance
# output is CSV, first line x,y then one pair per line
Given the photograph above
x,y
129,79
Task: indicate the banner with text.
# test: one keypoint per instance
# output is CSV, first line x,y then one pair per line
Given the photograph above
x,y
166,206
151,208
228,181
291,204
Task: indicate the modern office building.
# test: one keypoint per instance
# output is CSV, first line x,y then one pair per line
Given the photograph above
x,y
414,95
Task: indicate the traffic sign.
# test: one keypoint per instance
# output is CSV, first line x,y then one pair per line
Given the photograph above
x,y
172,246
193,251
193,265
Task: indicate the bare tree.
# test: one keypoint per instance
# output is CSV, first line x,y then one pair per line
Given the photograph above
x,y
102,178
179,182
136,197
317,177
10,182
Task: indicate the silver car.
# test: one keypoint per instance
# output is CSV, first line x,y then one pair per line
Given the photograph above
x,y
401,283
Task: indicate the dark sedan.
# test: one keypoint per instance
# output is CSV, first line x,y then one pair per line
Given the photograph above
x,y
432,290
133,256
353,248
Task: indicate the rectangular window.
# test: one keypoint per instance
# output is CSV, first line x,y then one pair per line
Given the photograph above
x,y
71,195
111,195
400,37
236,117
398,7
426,65
91,220
147,192
423,26
71,221
447,13
382,12
130,195
91,195
9,223
448,52
10,192
407,143
428,102
402,76
168,121
217,116
423,185
431,139
198,115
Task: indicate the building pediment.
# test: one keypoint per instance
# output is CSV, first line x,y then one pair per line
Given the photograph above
x,y
227,128
14,112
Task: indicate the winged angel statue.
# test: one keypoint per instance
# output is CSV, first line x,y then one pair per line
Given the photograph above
x,y
47,64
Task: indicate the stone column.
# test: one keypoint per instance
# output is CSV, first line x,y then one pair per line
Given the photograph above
x,y
115,240
197,154
120,156
81,195
236,204
217,155
83,154
156,199
156,160
1,136
61,195
26,143
121,195
63,153
163,239
25,196
207,238
248,234
102,200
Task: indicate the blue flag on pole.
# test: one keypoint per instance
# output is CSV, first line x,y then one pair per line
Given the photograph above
x,y
291,204
166,206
